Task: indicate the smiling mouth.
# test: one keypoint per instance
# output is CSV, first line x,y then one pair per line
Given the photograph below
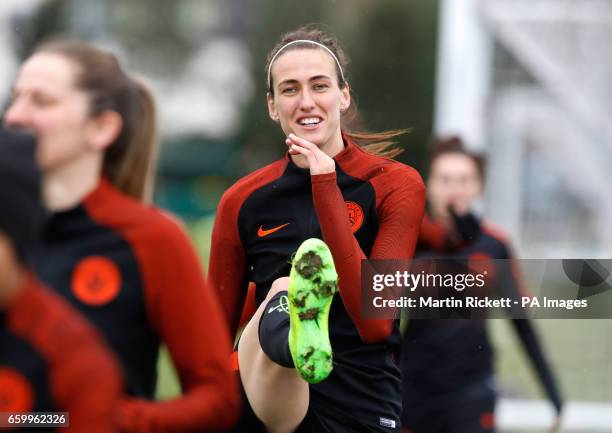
x,y
310,122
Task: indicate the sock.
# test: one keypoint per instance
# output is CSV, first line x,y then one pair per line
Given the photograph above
x,y
274,330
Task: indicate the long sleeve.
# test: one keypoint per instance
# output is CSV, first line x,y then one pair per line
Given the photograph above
x,y
189,319
400,204
434,235
513,288
534,350
84,377
226,268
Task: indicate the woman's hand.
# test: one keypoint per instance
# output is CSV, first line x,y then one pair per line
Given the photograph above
x,y
467,224
556,424
316,160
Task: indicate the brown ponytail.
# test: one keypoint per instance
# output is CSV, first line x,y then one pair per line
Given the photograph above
x,y
129,162
377,143
133,171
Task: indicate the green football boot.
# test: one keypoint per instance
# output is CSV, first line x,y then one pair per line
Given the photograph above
x,y
312,284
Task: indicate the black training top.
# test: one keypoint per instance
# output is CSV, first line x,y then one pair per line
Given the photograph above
x,y
52,360
369,207
131,270
442,358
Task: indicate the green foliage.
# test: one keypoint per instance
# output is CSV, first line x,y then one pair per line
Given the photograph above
x,y
393,70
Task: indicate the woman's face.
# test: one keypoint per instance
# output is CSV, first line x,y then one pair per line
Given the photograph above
x,y
46,102
453,181
307,100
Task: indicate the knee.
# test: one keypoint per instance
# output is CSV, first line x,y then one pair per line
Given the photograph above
x,y
278,285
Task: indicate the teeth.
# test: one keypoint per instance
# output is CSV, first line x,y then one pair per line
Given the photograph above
x,y
310,121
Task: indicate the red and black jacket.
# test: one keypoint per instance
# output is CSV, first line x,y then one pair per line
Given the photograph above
x,y
441,359
51,360
370,207
132,272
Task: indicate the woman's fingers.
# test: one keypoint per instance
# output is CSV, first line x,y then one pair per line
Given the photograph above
x,y
310,156
301,150
289,144
318,161
302,147
301,142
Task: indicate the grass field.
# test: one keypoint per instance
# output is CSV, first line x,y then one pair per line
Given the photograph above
x,y
580,352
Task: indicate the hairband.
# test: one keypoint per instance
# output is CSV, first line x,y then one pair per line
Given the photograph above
x,y
302,41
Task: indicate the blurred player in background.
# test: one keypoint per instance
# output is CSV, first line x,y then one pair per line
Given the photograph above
x,y
447,365
51,359
328,187
128,267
